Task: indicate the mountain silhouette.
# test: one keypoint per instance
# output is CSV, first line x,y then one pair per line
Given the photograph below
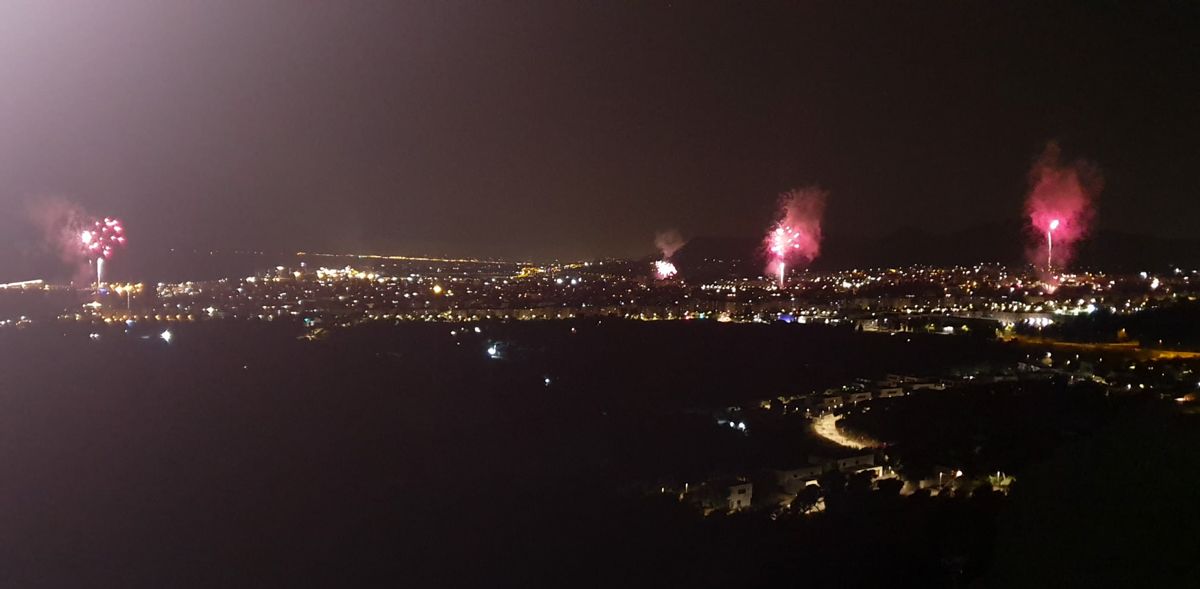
x,y
1002,242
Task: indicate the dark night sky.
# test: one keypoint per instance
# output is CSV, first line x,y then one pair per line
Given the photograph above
x,y
577,129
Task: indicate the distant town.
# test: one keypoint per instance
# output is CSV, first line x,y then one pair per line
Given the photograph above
x,y
339,290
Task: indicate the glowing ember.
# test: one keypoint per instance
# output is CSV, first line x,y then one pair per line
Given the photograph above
x,y
664,269
797,234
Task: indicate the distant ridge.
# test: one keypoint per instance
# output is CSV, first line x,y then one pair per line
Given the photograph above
x,y
1003,243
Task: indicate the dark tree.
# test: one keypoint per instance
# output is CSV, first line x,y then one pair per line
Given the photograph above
x,y
890,487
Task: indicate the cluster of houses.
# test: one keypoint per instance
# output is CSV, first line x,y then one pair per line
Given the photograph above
x,y
733,495
859,391
792,481
737,494
862,390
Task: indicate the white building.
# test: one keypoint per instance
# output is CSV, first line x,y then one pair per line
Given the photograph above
x,y
859,397
887,392
862,463
739,496
794,480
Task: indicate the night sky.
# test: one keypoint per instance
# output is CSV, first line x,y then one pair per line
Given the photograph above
x,y
578,129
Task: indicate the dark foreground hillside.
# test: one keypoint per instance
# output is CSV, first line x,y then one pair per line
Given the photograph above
x,y
239,455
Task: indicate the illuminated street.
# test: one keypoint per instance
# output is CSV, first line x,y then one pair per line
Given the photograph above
x,y
826,427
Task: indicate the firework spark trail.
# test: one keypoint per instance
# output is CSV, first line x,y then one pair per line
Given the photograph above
x,y
796,236
668,242
1050,243
1059,205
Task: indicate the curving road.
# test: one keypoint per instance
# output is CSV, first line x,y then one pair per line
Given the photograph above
x,y
826,427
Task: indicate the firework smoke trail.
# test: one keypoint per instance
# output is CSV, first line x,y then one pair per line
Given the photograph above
x,y
1059,205
61,223
668,242
797,233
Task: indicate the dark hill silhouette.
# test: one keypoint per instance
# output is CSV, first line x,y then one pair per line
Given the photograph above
x,y
1002,242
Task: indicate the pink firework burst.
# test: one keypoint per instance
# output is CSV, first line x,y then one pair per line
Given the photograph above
x,y
796,237
102,239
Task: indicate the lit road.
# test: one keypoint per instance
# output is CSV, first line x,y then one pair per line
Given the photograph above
x,y
826,427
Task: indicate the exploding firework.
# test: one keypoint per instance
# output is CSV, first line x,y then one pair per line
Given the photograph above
x,y
1059,205
76,237
668,242
102,238
100,241
664,269
796,237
